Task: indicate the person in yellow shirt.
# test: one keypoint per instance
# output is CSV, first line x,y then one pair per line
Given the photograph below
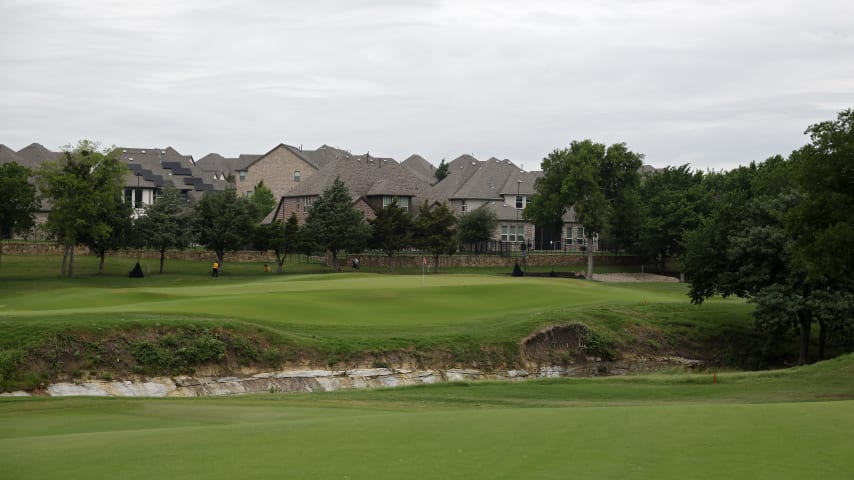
x,y
215,270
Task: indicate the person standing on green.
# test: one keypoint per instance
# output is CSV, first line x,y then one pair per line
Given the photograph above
x,y
215,271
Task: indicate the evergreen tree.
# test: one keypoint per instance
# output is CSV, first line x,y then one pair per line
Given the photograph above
x,y
167,223
391,231
334,223
435,231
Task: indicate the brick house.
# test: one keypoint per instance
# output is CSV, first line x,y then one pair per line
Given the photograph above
x,y
372,182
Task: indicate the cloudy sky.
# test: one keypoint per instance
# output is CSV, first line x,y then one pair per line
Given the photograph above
x,y
713,83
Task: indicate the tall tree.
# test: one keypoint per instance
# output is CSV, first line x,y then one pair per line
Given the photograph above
x,y
587,177
391,231
335,224
477,226
83,189
441,171
167,223
435,231
673,201
18,200
223,222
262,201
823,223
116,231
742,248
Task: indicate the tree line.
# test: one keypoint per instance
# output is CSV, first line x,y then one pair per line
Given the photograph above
x,y
779,232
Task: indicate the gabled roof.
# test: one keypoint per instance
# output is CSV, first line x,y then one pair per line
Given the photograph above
x,y
420,166
153,167
7,155
35,154
365,176
487,181
325,155
460,170
252,159
525,187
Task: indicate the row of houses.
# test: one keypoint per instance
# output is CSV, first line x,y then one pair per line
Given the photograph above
x,y
297,176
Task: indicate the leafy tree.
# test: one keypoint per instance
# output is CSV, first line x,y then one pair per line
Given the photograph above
x,y
263,201
587,177
391,231
223,221
84,189
167,223
823,223
335,224
116,216
743,249
477,226
18,200
281,238
442,171
435,231
673,201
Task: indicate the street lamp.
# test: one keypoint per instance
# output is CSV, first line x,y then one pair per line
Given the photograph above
x,y
516,204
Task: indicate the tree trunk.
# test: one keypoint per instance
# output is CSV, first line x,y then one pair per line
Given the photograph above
x,y
71,262
64,267
805,321
590,259
391,263
162,258
280,260
101,256
335,261
822,338
1,251
436,263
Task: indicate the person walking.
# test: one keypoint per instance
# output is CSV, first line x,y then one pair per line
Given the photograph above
x,y
356,264
215,269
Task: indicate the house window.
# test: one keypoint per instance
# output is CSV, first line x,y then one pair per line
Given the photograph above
x,y
249,194
306,203
242,175
569,235
297,176
512,233
463,205
402,202
579,238
520,202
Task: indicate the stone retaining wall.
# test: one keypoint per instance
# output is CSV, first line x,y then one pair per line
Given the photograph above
x,y
559,259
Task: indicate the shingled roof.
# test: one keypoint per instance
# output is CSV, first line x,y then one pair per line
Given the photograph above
x,y
460,170
153,167
7,155
421,167
36,154
366,176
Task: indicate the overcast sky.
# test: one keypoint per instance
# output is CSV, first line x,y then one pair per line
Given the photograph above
x,y
713,83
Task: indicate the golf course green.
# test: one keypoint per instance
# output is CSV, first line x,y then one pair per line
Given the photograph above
x,y
775,424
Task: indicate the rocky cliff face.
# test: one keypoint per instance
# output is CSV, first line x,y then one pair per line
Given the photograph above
x,y
289,381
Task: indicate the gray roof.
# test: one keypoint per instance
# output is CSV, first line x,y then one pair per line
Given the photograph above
x,y
324,155
7,155
35,154
420,166
152,167
487,180
216,163
460,170
525,187
366,176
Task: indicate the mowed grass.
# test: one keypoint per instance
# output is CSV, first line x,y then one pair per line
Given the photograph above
x,y
777,424
360,310
765,425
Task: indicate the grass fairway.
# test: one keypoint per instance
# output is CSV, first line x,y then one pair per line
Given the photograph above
x,y
346,313
653,427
